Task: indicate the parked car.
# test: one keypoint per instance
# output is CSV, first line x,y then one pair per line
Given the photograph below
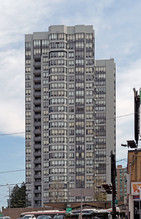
x,y
29,216
5,217
44,217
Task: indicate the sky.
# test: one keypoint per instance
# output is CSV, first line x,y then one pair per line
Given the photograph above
x,y
117,35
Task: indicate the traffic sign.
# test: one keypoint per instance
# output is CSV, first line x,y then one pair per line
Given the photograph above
x,y
68,210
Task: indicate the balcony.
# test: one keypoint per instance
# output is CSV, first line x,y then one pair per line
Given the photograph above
x,y
37,64
37,168
37,161
37,183
37,79
37,57
37,116
36,198
37,101
37,205
37,176
37,131
37,138
37,154
37,146
37,71
37,86
37,109
37,94
37,191
37,124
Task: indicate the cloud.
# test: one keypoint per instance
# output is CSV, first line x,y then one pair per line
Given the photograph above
x,y
128,78
117,30
12,90
18,18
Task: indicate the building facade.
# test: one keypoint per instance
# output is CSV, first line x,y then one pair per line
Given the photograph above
x,y
121,182
134,183
69,114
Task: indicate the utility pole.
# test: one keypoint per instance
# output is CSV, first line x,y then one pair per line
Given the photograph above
x,y
136,115
113,176
9,201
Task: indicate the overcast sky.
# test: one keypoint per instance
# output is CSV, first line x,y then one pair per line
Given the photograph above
x,y
118,35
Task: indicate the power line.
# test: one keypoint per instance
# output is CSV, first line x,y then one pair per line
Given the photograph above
x,y
116,117
11,184
12,171
125,115
121,160
14,133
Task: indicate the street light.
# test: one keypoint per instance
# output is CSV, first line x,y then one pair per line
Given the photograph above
x,y
130,144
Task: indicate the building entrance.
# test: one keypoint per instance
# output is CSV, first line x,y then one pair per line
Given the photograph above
x,y
137,209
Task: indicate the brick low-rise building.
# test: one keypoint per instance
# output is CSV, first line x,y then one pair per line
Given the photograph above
x,y
121,182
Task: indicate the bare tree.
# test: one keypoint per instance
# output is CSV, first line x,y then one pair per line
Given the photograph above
x,y
99,194
56,189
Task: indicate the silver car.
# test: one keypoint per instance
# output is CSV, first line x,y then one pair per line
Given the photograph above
x,y
5,217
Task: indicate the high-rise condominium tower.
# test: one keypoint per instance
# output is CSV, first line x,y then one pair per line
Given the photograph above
x,y
69,114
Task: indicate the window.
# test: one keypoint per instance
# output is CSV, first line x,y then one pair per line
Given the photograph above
x,y
89,108
89,178
37,43
28,54
89,45
79,45
45,149
71,101
46,179
79,85
89,93
53,36
79,36
89,101
27,69
28,121
45,127
28,114
27,77
27,45
89,85
45,142
71,116
71,55
70,62
71,37
79,100
89,36
37,51
28,92
28,166
71,93
79,62
80,93
28,136
45,89
28,173
45,43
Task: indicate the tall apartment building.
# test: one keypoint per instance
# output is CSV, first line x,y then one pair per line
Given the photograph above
x,y
69,114
121,182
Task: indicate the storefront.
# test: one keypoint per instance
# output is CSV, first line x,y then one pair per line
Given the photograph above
x,y
137,209
136,193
